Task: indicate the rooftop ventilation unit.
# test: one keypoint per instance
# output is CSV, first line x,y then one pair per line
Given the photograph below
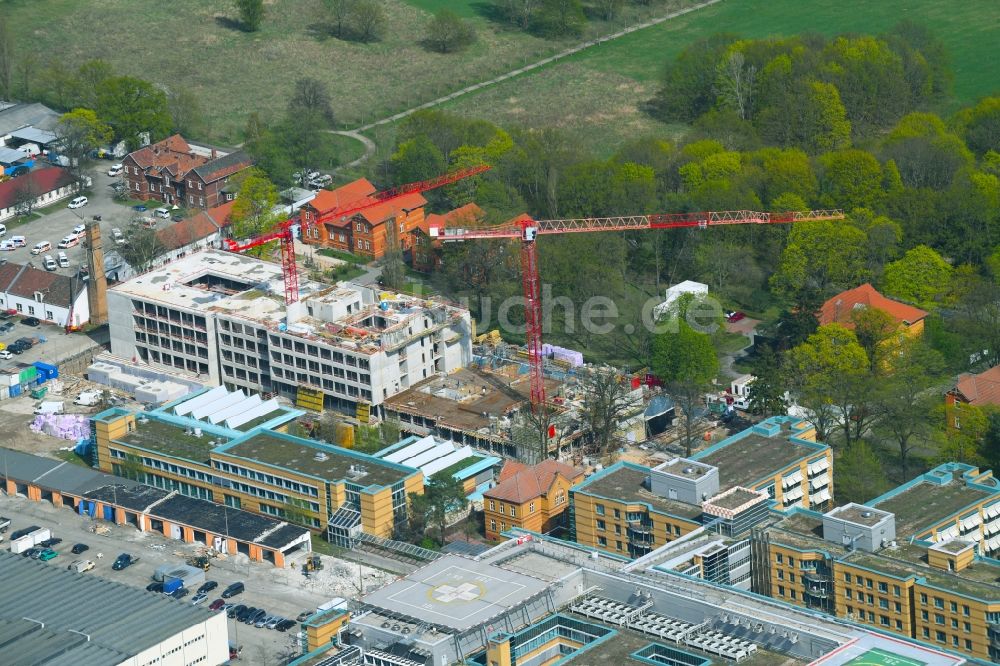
x,y
320,457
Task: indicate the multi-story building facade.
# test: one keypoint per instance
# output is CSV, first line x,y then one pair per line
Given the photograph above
x,y
532,498
228,447
172,172
629,509
223,315
780,456
367,232
914,561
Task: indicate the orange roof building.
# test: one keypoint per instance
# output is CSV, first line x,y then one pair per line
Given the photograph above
x,y
977,390
426,244
365,232
529,497
838,310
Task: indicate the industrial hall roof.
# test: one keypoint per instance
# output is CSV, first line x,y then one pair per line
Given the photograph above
x,y
81,620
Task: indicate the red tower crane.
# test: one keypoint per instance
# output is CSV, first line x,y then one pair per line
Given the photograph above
x,y
527,229
283,232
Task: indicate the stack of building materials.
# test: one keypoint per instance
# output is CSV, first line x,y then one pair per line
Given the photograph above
x,y
145,383
72,427
570,356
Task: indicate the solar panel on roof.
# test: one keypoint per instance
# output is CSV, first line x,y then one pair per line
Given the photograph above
x,y
220,403
411,450
188,406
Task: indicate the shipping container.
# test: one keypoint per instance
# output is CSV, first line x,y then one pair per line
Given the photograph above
x,y
40,535
46,371
15,391
22,544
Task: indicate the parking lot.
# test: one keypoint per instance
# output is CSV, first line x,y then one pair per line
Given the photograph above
x,y
53,226
284,592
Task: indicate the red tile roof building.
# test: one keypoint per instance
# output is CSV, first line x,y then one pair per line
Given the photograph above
x,y
365,232
840,308
977,390
531,498
49,185
425,248
49,296
171,172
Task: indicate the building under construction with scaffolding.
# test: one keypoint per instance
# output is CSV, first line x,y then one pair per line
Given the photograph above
x,y
344,346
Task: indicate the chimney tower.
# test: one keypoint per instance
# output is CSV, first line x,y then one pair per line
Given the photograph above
x,y
97,290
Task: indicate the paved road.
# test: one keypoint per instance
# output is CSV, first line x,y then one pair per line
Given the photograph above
x,y
55,225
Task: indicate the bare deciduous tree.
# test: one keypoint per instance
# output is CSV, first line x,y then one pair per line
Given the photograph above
x,y
736,83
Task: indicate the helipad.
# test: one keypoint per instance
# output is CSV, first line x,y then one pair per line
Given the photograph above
x,y
871,649
457,592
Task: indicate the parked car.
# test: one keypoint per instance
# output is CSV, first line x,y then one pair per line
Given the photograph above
x,y
49,263
36,553
6,326
80,548
25,343
285,625
218,604
63,260
116,169
47,555
41,247
3,229
80,230
117,236
246,612
15,349
139,208
235,609
177,217
48,543
19,241
263,621
68,242
31,321
6,355
78,202
31,552
7,246
733,317
233,590
180,593
256,617
198,598
207,586
301,617
124,561
155,587
7,314
273,621
163,213
81,566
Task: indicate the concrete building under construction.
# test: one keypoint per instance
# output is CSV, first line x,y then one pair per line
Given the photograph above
x,y
345,346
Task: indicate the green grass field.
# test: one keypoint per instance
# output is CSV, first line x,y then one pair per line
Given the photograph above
x,y
598,94
466,8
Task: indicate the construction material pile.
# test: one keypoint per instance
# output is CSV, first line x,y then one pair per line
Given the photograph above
x,y
569,356
64,426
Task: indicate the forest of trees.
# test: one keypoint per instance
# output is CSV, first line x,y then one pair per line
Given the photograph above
x,y
854,122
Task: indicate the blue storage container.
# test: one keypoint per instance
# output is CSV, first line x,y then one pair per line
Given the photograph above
x,y
46,371
15,391
172,584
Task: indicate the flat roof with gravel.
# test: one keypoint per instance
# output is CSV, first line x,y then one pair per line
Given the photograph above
x,y
317,460
753,458
628,484
927,504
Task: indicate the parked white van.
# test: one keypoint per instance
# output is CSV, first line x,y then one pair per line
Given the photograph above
x,y
78,202
44,246
163,212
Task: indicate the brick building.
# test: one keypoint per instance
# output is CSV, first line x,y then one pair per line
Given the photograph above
x,y
425,245
172,172
367,231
